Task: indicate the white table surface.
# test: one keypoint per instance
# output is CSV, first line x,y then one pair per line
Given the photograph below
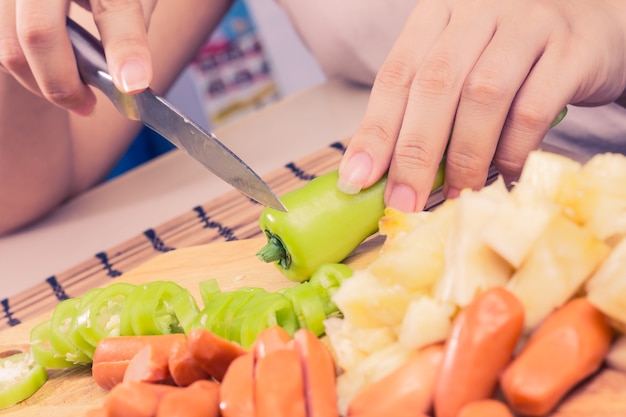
x,y
172,184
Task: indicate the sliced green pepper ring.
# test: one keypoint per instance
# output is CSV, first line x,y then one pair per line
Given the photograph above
x,y
82,320
20,377
326,280
186,309
273,309
238,316
42,351
154,310
211,314
126,315
102,313
307,306
60,326
242,297
208,289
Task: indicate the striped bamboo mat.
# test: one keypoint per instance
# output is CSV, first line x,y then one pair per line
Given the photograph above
x,y
229,217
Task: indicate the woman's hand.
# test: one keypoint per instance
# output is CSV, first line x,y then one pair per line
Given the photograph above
x,y
499,71
35,48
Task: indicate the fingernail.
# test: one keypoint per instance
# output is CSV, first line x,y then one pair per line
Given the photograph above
x,y
402,198
354,173
134,76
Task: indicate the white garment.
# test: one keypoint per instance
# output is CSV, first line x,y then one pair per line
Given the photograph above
x,y
349,38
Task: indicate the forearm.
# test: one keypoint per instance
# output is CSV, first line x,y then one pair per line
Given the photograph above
x,y
35,155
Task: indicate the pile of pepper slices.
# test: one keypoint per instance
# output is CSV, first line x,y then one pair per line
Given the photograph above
x,y
70,336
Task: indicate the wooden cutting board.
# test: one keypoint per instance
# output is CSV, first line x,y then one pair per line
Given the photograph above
x,y
72,392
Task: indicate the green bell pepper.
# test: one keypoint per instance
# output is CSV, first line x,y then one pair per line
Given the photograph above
x,y
559,117
322,225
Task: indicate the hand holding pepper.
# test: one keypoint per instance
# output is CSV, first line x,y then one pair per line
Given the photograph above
x,y
499,72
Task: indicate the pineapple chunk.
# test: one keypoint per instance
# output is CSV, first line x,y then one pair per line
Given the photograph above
x,y
396,223
543,175
606,289
563,257
596,196
353,344
516,226
415,260
426,321
367,302
345,353
470,265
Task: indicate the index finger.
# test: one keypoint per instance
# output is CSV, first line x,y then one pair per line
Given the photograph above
x,y
369,152
123,31
44,40
432,106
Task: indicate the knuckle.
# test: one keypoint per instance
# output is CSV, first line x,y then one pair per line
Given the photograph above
x,y
544,11
509,167
529,118
104,6
465,162
11,56
38,32
485,88
378,130
437,76
395,73
129,42
413,153
61,96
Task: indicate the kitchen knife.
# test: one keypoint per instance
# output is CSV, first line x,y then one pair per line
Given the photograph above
x,y
159,115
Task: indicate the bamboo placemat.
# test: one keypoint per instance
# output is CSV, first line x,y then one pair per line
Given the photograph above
x,y
229,217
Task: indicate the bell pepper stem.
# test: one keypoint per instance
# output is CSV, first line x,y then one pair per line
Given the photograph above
x,y
274,251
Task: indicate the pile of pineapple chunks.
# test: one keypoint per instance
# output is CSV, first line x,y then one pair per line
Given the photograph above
x,y
559,232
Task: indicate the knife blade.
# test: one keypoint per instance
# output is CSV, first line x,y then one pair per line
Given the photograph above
x,y
162,117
